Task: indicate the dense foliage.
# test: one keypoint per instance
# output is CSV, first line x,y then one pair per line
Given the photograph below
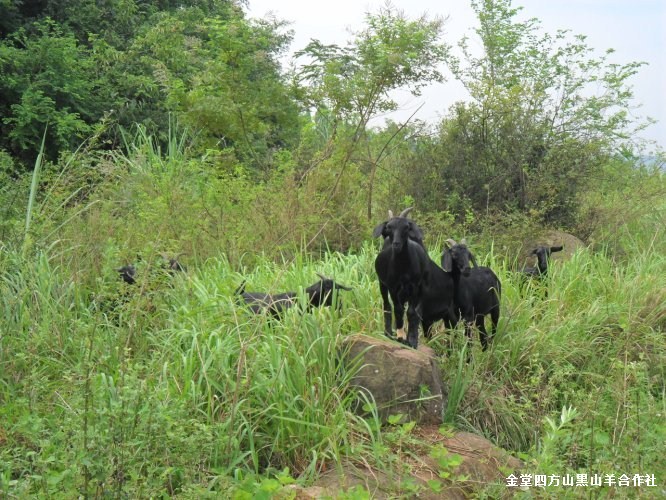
x,y
132,131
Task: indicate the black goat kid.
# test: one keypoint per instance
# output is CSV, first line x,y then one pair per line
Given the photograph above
x,y
542,254
318,294
402,268
477,290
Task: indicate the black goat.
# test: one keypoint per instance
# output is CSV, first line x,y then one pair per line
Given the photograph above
x,y
402,267
542,253
318,294
438,299
477,290
128,274
415,233
171,264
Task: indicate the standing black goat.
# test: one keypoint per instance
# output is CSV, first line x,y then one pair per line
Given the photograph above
x,y
542,253
438,299
318,294
477,290
402,268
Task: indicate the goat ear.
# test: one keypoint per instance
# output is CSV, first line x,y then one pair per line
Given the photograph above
x,y
415,232
534,252
471,257
447,261
379,230
556,249
241,288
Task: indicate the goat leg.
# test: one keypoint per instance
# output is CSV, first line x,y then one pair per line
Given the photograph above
x,y
483,334
387,310
399,315
494,317
414,319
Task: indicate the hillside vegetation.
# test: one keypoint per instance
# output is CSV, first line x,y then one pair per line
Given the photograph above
x,y
174,132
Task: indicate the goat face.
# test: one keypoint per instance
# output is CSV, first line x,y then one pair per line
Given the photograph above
x,y
542,253
321,293
397,231
458,255
127,274
174,266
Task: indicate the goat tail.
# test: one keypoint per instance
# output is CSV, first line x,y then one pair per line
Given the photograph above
x,y
241,288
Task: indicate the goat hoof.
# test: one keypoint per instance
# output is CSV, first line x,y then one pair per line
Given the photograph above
x,y
405,342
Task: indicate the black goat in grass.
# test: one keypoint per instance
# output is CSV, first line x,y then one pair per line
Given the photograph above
x,y
542,253
171,264
438,299
402,268
127,274
318,294
477,290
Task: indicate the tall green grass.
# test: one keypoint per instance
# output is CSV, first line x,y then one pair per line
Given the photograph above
x,y
170,387
205,390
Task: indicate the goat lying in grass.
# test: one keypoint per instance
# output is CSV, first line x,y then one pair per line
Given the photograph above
x,y
319,294
170,265
477,290
127,274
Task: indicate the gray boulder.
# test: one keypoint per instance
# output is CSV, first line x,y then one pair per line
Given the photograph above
x,y
401,380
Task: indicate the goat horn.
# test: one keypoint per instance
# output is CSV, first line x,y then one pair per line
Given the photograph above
x,y
405,212
463,241
451,242
390,214
321,276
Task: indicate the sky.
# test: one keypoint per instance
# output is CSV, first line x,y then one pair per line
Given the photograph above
x,y
636,29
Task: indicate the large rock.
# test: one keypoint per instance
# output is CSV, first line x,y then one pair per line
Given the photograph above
x,y
481,464
482,461
400,379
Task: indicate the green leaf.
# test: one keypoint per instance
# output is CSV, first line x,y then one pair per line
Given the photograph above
x,y
435,485
395,419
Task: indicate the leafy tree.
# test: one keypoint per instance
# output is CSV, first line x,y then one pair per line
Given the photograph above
x,y
544,111
73,63
352,84
45,79
117,22
239,97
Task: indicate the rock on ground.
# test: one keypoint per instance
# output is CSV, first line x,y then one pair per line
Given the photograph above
x,y
400,379
482,464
